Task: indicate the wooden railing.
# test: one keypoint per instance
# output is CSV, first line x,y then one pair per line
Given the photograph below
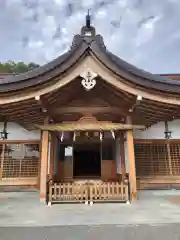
x,y
108,191
88,192
68,192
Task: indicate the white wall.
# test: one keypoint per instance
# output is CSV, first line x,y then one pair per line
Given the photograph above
x,y
16,132
157,131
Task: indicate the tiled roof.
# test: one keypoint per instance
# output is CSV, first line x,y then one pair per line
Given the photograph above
x,y
81,45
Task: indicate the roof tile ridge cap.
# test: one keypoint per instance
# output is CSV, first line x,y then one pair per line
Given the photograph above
x,y
77,40
100,41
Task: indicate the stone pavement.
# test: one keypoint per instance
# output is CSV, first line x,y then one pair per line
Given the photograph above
x,y
24,209
155,215
98,232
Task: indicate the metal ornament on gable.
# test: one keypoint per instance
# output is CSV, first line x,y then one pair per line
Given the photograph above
x,y
88,81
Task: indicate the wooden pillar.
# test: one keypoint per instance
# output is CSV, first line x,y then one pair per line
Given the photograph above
x,y
168,148
169,158
52,151
3,151
39,167
131,161
44,164
122,155
2,160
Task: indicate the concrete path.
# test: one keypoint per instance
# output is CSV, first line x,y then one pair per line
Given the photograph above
x,y
98,232
156,215
24,209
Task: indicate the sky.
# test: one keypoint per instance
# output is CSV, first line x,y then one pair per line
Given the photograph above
x,y
145,33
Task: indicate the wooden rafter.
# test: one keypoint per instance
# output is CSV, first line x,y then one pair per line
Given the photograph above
x,y
45,109
63,96
59,104
85,110
126,97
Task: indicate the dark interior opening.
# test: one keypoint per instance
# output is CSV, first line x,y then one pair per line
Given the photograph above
x,y
87,160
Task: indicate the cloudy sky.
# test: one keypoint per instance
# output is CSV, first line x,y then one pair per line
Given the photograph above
x,y
145,33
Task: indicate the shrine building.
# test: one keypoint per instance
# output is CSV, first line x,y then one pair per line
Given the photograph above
x,y
89,126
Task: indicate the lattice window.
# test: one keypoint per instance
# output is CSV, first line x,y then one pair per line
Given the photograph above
x,y
175,158
151,159
19,160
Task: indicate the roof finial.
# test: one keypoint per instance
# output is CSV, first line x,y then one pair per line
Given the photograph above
x,y
88,19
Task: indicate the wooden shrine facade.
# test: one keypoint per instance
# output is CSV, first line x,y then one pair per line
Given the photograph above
x,y
89,82
87,159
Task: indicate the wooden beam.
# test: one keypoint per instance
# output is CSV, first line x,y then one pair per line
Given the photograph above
x,y
2,160
147,108
117,93
86,110
44,163
22,108
46,109
85,126
122,155
66,95
163,108
117,98
131,161
20,142
114,99
52,152
157,110
39,166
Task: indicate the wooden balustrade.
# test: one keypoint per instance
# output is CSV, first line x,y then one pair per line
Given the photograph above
x,y
88,191
68,192
108,191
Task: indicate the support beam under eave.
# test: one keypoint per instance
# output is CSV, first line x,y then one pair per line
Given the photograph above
x,y
122,155
131,161
44,164
52,151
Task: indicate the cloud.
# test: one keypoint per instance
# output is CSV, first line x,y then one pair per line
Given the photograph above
x,y
144,33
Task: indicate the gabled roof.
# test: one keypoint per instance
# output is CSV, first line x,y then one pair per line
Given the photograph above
x,y
5,75
81,46
173,76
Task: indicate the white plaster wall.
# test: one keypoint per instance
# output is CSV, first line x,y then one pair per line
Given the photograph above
x,y
157,131
16,132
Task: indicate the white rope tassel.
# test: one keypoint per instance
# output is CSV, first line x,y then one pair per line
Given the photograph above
x,y
74,137
113,134
62,136
101,136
